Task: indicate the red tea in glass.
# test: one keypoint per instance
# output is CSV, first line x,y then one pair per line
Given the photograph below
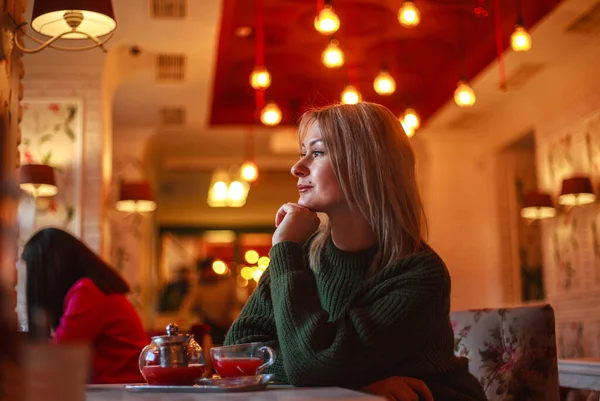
x,y
242,359
234,367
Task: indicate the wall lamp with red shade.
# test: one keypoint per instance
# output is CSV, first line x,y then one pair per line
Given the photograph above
x,y
135,197
574,191
38,180
72,20
537,205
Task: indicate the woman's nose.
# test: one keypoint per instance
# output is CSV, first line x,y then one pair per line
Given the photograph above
x,y
299,169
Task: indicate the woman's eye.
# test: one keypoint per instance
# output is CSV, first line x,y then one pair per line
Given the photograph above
x,y
302,155
317,153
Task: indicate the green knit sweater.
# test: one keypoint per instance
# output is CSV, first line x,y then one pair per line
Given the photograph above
x,y
341,326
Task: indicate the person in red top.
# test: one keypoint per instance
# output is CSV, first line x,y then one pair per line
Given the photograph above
x,y
72,292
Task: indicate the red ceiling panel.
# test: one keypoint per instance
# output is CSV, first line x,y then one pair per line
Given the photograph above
x,y
425,61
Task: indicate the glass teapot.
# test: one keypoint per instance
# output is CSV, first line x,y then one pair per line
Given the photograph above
x,y
173,359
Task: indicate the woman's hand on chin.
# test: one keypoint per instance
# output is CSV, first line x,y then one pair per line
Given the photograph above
x,y
294,223
398,388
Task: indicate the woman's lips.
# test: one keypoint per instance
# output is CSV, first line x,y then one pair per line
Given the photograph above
x,y
304,188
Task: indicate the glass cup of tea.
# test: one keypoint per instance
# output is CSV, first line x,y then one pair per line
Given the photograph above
x,y
242,360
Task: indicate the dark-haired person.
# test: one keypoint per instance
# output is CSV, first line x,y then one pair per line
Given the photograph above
x,y
83,300
212,299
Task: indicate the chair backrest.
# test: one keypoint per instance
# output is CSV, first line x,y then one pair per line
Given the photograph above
x,y
511,351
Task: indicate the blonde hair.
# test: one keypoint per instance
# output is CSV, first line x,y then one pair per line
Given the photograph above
x,y
374,164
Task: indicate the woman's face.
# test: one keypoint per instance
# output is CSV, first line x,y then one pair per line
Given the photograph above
x,y
319,188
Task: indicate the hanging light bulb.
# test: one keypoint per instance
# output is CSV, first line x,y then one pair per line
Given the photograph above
x,y
260,78
270,114
411,118
332,56
464,96
384,83
408,130
520,40
350,95
409,15
327,22
249,171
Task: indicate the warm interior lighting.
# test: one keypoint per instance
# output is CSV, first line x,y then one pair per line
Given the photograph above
x,y
384,84
236,191
225,192
332,56
219,267
520,40
408,130
62,19
260,78
411,118
537,206
264,262
220,190
247,272
270,114
135,197
350,95
464,96
249,171
409,15
257,273
576,191
251,256
327,22
38,180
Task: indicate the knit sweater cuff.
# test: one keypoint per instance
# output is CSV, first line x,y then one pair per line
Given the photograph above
x,y
286,256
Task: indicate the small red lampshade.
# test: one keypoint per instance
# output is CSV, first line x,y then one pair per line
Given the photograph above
x,y
576,190
135,197
38,180
537,205
48,18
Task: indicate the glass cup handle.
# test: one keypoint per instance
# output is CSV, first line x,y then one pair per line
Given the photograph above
x,y
270,361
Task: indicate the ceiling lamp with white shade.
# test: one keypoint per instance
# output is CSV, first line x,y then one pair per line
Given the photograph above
x,y
61,19
271,114
350,95
384,84
464,95
327,22
333,56
227,190
409,15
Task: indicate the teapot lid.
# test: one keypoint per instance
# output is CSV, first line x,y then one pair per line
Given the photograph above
x,y
173,337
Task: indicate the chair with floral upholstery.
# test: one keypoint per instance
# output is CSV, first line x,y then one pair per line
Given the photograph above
x,y
511,351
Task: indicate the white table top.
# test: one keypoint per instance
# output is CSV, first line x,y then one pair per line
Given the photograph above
x,y
272,393
579,373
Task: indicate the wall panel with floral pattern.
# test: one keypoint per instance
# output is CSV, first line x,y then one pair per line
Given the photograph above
x,y
52,134
571,241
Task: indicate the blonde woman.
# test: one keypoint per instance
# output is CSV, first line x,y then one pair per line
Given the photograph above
x,y
360,301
